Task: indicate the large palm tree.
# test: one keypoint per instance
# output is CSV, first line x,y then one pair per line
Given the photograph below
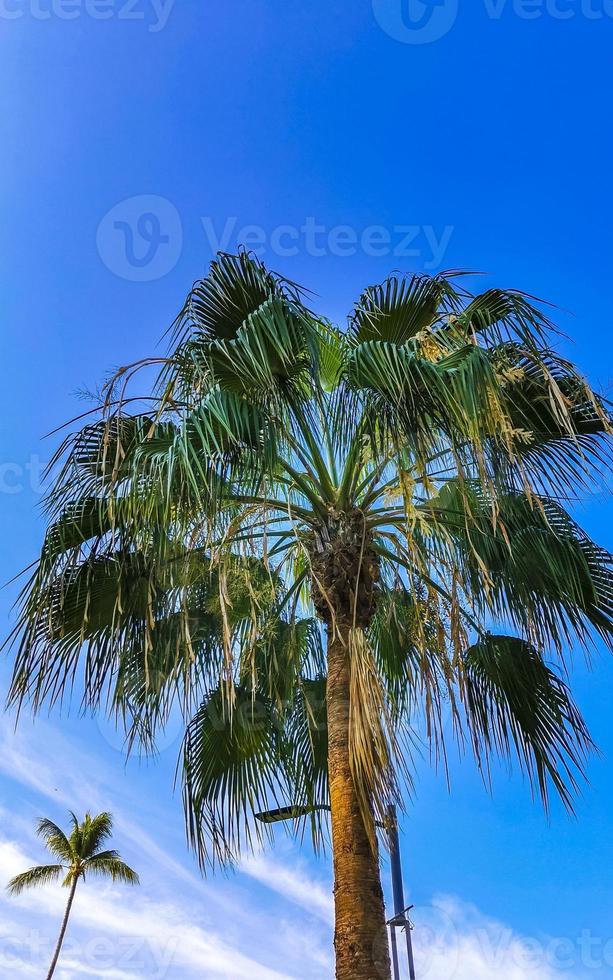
x,y
320,543
79,856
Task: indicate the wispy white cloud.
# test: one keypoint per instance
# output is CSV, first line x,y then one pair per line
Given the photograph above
x,y
453,940
292,882
64,782
148,936
75,970
220,931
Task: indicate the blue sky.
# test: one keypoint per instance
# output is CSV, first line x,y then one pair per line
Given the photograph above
x,y
342,140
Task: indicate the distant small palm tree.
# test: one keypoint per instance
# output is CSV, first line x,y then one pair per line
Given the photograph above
x,y
80,854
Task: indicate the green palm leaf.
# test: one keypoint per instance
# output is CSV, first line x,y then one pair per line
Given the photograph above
x,y
514,700
35,877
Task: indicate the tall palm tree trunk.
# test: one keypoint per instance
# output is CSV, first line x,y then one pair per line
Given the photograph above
x,y
360,937
58,948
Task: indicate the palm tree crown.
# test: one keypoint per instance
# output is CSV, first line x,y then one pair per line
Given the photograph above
x,y
392,493
78,855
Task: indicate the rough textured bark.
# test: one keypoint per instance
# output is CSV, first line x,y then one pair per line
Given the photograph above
x,y
360,938
58,948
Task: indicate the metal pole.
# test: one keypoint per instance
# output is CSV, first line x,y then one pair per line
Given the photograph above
x,y
395,963
397,886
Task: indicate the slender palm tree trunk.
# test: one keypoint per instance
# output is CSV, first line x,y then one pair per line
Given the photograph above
x,y
58,948
360,937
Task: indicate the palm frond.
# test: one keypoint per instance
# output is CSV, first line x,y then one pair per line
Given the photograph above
x,y
514,701
107,864
501,315
231,770
35,877
95,831
55,840
524,558
400,308
235,287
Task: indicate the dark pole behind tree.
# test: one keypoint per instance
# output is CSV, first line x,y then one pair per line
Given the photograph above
x,y
398,889
394,949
